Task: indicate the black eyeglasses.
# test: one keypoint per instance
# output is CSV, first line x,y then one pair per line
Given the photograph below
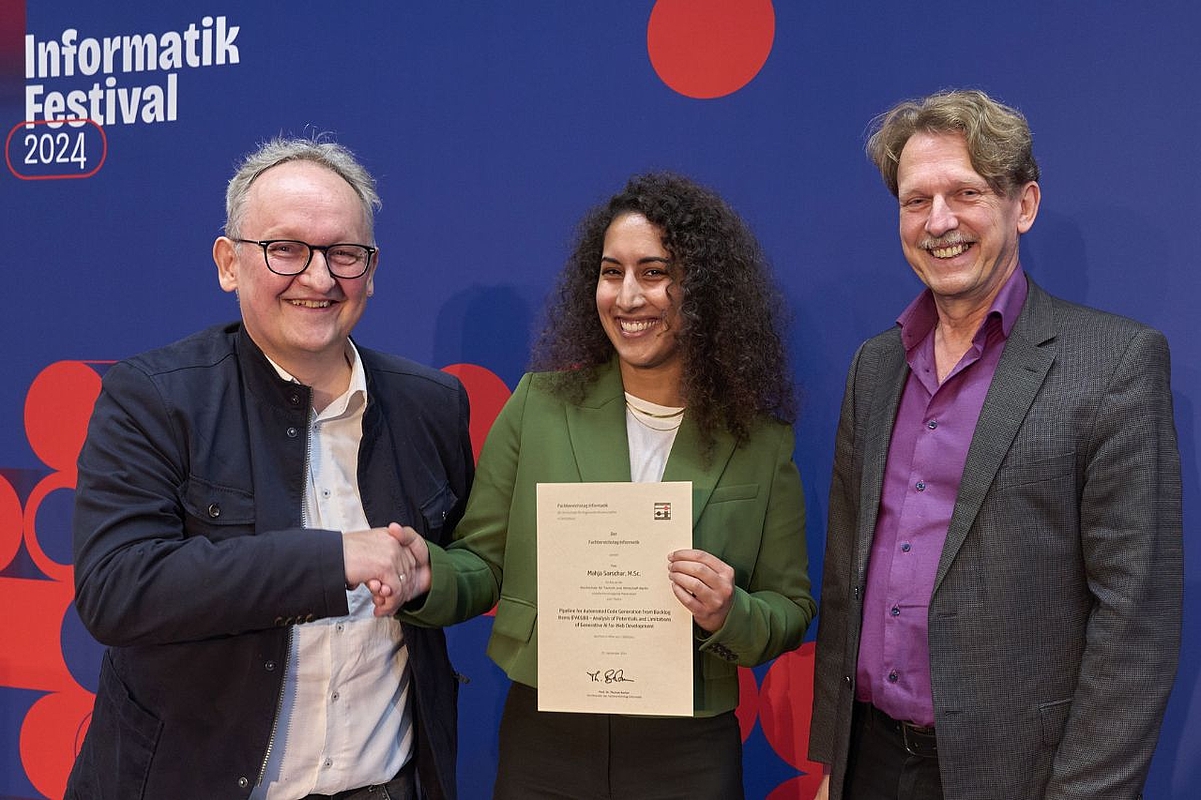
x,y
292,257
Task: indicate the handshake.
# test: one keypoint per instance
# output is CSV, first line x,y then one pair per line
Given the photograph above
x,y
393,562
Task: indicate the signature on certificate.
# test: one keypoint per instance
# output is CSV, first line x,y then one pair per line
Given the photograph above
x,y
609,676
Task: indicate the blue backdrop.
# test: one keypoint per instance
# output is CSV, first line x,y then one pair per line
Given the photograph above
x,y
492,126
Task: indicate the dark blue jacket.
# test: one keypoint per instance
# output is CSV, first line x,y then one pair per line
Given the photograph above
x,y
191,562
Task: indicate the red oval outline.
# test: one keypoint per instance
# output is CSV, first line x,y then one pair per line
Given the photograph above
x,y
61,177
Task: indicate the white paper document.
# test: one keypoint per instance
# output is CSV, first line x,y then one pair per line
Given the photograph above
x,y
612,638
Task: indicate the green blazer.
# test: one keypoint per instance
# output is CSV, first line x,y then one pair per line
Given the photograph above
x,y
748,510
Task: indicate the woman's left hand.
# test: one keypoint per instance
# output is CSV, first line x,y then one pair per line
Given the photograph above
x,y
704,584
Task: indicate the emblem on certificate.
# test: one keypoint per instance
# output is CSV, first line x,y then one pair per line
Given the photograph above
x,y
612,638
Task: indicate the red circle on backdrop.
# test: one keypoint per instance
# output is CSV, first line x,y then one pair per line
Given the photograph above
x,y
10,523
709,48
487,393
50,737
49,567
748,702
786,705
57,409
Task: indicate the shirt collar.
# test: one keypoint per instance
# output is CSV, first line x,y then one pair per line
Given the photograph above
x,y
356,389
919,317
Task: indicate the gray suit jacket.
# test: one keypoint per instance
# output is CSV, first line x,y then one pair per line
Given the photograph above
x,y
1054,626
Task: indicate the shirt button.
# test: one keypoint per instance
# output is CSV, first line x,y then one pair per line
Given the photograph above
x,y
339,626
896,612
906,547
921,486
328,763
893,677
335,696
932,424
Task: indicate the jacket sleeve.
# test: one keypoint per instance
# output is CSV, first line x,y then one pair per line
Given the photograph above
x,y
466,576
152,569
1131,539
771,614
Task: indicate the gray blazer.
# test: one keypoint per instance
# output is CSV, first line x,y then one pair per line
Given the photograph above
x,y
1054,626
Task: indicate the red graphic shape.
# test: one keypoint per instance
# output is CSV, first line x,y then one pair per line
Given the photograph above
x,y
786,703
709,48
29,628
50,738
748,702
49,567
10,523
57,176
487,394
57,409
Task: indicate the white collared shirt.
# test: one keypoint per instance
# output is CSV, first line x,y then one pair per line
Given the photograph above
x,y
345,720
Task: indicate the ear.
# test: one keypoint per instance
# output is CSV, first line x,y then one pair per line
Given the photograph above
x,y
226,257
1028,200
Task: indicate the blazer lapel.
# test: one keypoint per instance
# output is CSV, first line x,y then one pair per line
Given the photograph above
x,y
1020,373
887,381
686,463
597,429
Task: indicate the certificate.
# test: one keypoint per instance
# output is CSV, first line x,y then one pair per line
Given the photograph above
x,y
612,637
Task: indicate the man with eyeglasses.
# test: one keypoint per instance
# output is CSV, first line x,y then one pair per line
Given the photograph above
x,y
231,531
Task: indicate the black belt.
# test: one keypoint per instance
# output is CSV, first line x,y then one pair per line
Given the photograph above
x,y
399,787
917,740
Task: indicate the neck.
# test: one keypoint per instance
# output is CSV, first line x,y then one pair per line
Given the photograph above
x,y
659,385
329,378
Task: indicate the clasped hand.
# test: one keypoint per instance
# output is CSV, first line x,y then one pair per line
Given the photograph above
x,y
704,584
392,562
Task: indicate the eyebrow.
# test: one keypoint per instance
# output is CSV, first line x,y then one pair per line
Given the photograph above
x,y
646,260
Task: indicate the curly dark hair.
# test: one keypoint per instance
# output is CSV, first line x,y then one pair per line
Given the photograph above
x,y
731,314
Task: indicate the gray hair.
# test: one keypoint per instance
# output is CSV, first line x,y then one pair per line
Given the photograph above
x,y
998,137
331,155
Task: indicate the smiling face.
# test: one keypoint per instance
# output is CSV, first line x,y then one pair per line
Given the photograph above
x,y
300,321
636,297
959,235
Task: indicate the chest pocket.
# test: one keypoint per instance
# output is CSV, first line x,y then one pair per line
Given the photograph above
x,y
438,511
216,512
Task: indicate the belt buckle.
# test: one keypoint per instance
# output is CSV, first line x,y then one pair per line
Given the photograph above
x,y
911,736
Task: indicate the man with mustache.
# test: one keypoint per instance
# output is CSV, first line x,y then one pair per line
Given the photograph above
x,y
1000,611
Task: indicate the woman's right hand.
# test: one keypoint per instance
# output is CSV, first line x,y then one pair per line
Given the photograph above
x,y
823,789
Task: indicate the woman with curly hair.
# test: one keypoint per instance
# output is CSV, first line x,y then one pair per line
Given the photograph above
x,y
661,359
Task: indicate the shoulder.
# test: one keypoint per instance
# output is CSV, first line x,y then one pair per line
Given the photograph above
x,y
199,351
397,373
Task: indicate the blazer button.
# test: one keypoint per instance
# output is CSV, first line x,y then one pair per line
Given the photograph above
x,y
292,433
279,621
243,782
269,666
214,510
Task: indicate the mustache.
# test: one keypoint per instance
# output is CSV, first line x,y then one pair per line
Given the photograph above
x,y
949,240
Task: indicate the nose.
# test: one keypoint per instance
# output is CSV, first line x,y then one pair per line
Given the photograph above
x,y
317,275
630,295
942,218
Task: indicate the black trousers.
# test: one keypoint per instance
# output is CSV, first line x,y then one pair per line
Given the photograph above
x,y
881,765
603,756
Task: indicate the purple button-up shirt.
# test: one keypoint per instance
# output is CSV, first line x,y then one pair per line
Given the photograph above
x,y
930,440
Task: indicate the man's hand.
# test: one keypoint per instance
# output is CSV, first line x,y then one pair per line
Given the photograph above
x,y
704,584
375,557
417,582
823,789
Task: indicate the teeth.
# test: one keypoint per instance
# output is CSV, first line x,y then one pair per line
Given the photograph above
x,y
311,303
636,327
950,251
